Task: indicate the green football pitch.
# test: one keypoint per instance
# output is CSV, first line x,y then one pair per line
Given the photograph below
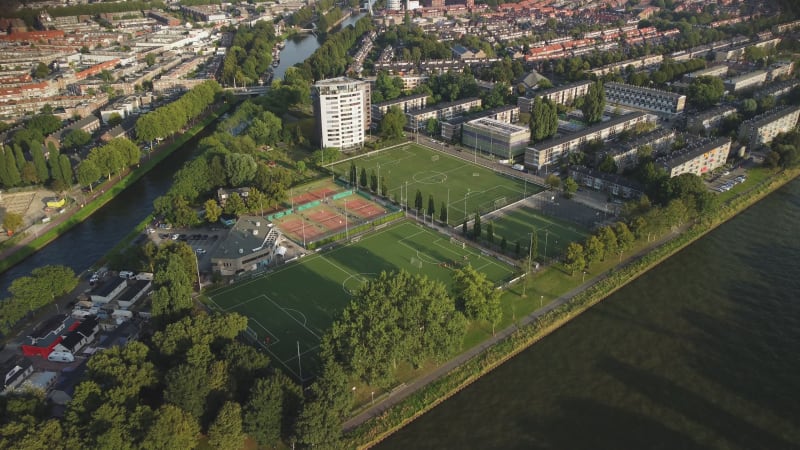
x,y
291,308
554,235
468,187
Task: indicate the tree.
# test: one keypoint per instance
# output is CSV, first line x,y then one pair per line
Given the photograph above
x,y
212,209
225,433
574,259
552,181
373,181
88,173
544,119
443,213
477,295
114,119
594,102
625,238
172,427
239,168
476,227
10,173
607,165
594,250
570,187
490,232
76,138
150,59
362,179
534,250
41,70
122,372
705,92
418,201
12,222
464,228
393,123
353,172
431,206
262,413
39,162
609,239
384,186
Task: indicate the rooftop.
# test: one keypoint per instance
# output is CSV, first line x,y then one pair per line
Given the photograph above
x,y
693,151
249,234
588,130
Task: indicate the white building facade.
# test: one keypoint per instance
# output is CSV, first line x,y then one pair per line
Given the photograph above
x,y
342,109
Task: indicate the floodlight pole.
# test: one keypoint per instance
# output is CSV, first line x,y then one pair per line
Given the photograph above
x,y
447,211
527,272
299,364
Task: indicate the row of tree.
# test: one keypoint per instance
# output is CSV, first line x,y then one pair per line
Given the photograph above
x,y
172,118
16,170
544,119
606,241
250,54
668,71
331,58
30,293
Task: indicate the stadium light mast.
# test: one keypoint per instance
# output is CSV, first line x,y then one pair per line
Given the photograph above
x,y
527,272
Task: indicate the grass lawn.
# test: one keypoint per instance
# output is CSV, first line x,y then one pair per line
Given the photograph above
x,y
294,306
411,167
516,224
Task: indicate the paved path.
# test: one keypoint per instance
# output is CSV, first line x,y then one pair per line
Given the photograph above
x,y
405,390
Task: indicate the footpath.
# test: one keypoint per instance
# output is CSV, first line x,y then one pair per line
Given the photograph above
x,y
399,394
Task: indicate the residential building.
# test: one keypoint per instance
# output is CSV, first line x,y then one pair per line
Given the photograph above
x,y
88,124
626,155
744,81
47,335
495,137
636,63
406,104
707,120
441,112
251,243
72,343
698,158
762,129
562,95
342,110
548,152
645,98
718,71
14,372
611,183
777,89
779,69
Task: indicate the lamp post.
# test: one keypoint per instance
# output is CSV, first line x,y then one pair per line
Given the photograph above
x,y
584,277
447,210
372,394
545,243
197,265
465,203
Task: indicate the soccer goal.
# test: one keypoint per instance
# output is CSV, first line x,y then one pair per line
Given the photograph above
x,y
434,158
456,242
251,333
416,262
500,202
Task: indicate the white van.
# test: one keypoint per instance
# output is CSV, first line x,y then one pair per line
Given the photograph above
x,y
126,274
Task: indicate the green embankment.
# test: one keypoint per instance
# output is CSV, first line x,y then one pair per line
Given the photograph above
x,y
133,176
375,430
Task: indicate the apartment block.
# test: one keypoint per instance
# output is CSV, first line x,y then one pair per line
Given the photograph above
x,y
549,152
762,129
698,158
443,111
606,182
495,137
645,98
710,119
713,71
626,155
406,104
745,81
779,69
342,110
777,89
559,95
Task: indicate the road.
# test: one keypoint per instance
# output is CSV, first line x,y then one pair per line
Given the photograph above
x,y
405,390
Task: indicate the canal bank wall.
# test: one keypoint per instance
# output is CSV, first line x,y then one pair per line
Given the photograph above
x,y
514,339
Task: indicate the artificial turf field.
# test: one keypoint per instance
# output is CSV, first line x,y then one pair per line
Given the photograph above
x,y
298,302
411,167
516,224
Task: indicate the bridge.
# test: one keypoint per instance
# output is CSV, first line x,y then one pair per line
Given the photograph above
x,y
249,90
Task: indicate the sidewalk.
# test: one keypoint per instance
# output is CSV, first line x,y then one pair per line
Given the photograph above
x,y
405,390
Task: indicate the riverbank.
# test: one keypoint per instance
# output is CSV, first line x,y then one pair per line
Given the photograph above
x,y
383,420
32,243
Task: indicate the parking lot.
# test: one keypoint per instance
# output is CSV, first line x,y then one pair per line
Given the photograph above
x,y
727,180
203,241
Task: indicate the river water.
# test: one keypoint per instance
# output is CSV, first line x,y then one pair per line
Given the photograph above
x,y
301,46
87,242
701,352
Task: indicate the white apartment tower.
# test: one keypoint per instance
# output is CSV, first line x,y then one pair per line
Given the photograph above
x,y
342,109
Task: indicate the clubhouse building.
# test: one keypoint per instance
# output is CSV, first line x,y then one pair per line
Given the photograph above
x,y
251,243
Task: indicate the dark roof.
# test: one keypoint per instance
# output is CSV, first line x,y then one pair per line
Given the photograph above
x,y
47,326
443,106
86,328
400,100
586,131
608,177
14,369
692,151
109,286
134,287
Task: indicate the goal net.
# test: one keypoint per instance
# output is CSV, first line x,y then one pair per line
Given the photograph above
x,y
500,202
416,262
456,242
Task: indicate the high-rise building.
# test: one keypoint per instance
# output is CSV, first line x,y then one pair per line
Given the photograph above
x,y
342,110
